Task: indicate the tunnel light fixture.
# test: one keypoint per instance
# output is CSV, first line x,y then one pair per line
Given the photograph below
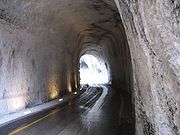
x,y
75,93
60,99
27,112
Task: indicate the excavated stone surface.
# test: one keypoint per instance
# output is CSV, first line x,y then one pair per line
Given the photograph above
x,y
42,41
153,32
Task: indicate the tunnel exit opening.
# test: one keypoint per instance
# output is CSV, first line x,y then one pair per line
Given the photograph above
x,y
93,70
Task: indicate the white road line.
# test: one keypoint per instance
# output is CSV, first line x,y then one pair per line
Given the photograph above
x,y
99,103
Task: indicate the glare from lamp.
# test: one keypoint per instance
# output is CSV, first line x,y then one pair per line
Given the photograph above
x,y
60,100
53,86
16,103
27,112
75,93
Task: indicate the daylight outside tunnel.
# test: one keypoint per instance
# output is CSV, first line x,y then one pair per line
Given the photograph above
x,y
93,70
126,51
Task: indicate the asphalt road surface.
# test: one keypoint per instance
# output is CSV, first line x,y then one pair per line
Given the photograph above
x,y
100,110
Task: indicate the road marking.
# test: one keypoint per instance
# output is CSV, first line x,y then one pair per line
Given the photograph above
x,y
99,103
30,124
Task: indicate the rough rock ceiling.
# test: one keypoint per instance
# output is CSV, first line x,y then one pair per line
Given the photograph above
x,y
54,13
48,37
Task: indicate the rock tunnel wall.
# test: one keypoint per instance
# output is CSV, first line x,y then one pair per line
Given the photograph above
x,y
41,44
32,69
153,32
102,41
42,41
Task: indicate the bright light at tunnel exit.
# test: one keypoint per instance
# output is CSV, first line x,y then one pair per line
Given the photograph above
x,y
93,70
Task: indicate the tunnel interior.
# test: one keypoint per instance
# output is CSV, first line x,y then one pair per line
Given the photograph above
x,y
42,42
41,48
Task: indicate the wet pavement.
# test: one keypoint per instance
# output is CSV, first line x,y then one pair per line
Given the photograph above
x,y
98,111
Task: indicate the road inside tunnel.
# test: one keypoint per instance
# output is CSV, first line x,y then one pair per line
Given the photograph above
x,y
100,110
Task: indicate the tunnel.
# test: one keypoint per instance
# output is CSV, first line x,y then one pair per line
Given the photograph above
x,y
41,46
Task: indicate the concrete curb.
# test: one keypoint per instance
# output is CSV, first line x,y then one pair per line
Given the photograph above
x,y
4,120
